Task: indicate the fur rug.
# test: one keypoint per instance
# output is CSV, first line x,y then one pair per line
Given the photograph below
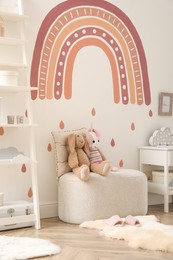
x,y
17,248
150,234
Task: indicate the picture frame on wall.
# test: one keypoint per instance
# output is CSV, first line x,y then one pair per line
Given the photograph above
x,y
165,104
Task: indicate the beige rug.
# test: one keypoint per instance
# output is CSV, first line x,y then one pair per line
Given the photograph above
x,y
150,234
17,248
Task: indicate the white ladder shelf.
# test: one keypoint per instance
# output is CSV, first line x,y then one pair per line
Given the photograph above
x,y
19,17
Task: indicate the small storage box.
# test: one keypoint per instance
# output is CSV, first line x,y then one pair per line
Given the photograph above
x,y
8,78
16,208
158,177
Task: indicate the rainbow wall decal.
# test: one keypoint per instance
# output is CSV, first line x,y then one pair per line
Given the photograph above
x,y
72,25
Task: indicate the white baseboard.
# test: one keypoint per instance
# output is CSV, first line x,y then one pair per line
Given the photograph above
x,y
48,210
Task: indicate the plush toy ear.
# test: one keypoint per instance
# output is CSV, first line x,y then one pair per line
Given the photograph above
x,y
89,140
86,145
71,142
97,133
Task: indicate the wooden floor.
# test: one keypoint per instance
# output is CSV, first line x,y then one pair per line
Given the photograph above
x,y
84,244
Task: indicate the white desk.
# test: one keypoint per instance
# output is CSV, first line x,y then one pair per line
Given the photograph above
x,y
159,156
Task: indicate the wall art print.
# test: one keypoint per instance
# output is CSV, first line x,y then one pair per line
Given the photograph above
x,y
72,25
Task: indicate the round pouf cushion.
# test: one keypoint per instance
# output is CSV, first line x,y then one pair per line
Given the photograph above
x,y
123,192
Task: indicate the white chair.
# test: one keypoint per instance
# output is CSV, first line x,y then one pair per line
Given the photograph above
x,y
123,192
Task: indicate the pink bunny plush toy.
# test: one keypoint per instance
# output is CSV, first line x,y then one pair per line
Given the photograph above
x,y
98,162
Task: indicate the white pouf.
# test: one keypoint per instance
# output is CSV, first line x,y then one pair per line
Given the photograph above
x,y
123,192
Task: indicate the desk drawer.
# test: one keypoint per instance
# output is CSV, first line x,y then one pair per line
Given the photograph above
x,y
156,157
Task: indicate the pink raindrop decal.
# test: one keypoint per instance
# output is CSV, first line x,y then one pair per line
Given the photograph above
x,y
112,142
1,131
93,112
61,125
49,148
132,126
23,169
150,113
121,163
30,192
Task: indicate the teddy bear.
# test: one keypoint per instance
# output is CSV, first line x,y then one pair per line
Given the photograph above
x,y
98,162
78,158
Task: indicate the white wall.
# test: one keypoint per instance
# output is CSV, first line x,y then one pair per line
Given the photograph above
x,y
92,87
